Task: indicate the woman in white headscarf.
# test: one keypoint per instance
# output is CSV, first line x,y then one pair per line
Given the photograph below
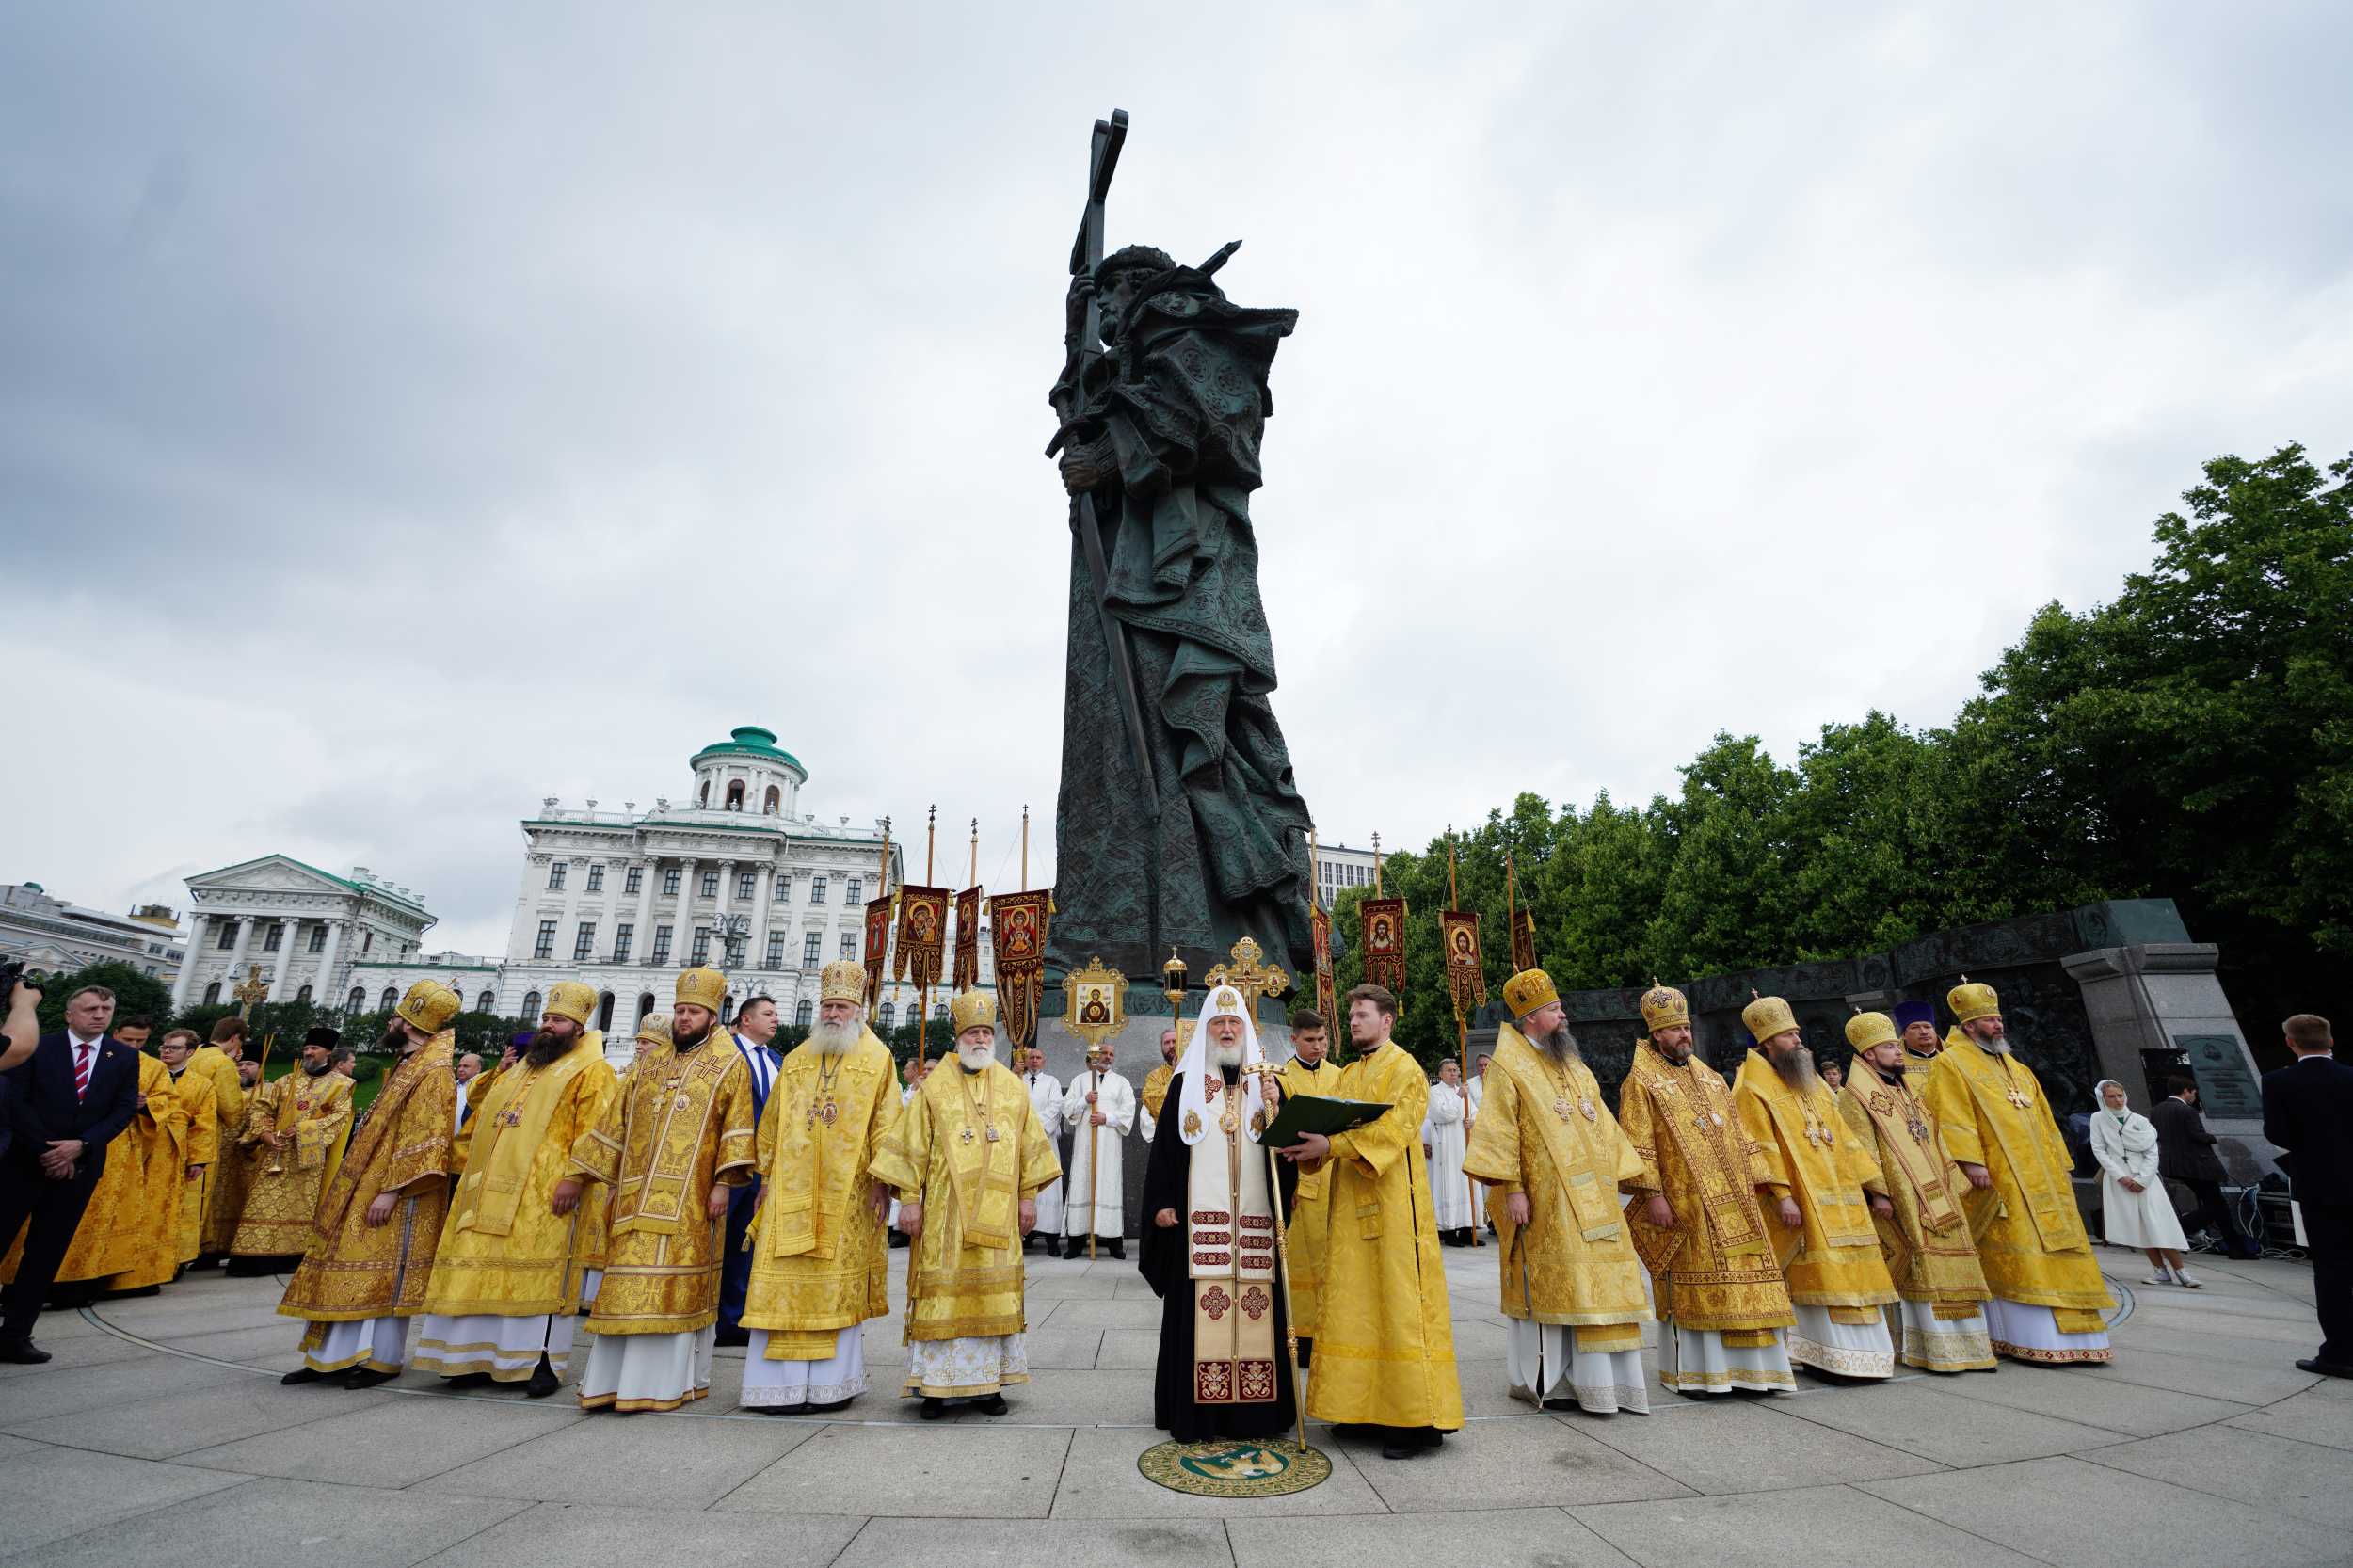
x,y
2134,1209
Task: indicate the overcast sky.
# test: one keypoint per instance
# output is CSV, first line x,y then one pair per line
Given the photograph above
x,y
409,412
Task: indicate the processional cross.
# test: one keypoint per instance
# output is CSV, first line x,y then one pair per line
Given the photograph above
x,y
252,988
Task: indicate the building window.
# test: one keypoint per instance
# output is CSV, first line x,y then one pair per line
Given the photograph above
x,y
212,993
710,884
804,1012
275,937
735,794
623,935
816,889
939,1009
746,884
544,948
556,876
702,794
486,1002
661,944
228,937
634,880
670,882
702,944
391,999
359,999
775,950
584,941
367,941
809,950
775,801
318,939
303,995
889,1014
855,892
784,887
645,1005
849,944
595,879
531,1006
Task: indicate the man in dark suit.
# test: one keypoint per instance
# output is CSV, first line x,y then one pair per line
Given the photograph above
x,y
2185,1154
2308,1110
65,1105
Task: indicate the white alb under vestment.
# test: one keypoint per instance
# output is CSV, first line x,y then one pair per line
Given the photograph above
x,y
1843,1350
1697,1361
1474,1092
839,1377
2017,1326
506,1348
2126,1148
1115,1097
1939,1344
1601,1382
649,1371
378,1344
1444,1131
1046,1100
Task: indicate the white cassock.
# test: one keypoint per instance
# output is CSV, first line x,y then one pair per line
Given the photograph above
x,y
1478,1189
890,1221
1450,1189
1046,1100
1115,1097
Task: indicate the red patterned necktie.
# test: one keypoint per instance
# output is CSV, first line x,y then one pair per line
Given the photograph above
x,y
83,1057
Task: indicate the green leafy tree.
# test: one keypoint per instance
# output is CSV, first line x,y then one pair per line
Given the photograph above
x,y
137,995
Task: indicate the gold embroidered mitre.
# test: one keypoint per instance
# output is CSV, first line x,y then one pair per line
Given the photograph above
x,y
429,1005
654,1027
569,999
972,1009
1866,1030
843,980
1664,1007
704,987
1973,1000
1528,991
1767,1017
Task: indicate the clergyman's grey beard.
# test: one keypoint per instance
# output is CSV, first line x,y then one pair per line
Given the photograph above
x,y
1795,1068
1997,1043
1676,1056
1560,1045
834,1035
1222,1056
977,1055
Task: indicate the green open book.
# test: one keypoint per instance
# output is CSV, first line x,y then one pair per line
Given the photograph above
x,y
1314,1113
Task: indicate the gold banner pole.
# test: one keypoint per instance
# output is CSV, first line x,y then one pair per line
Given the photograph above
x,y
1462,1029
923,992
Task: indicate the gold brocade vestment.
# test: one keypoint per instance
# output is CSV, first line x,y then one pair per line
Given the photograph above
x,y
504,1252
283,1185
1155,1091
1385,1330
1543,1130
2031,1243
129,1234
197,1096
1714,1270
1309,1223
1926,1242
1831,1260
224,1184
969,1147
356,1270
818,1260
682,1125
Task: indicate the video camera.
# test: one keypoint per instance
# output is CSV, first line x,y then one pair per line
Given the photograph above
x,y
14,973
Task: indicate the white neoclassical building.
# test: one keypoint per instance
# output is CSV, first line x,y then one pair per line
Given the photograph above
x,y
309,931
623,900
53,935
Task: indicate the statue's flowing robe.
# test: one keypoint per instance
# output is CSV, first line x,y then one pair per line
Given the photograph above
x,y
197,1096
1309,1224
1940,1325
1093,1193
1182,402
2048,1301
1715,1283
819,1264
222,1201
282,1187
682,1125
1385,1330
360,1284
1571,1284
509,1274
129,1234
1223,1366
1837,1280
969,1149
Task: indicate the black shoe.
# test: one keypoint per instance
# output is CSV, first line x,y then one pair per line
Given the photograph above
x,y
19,1350
934,1409
303,1374
1119,1250
1410,1448
1053,1246
366,1377
2326,1369
827,1409
736,1337
468,1380
994,1406
778,1409
1562,1405
543,1380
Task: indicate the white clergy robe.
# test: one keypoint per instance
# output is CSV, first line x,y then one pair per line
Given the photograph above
x,y
1089,1181
1046,1100
1442,1130
1477,1092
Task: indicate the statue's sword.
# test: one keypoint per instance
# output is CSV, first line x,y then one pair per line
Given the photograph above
x,y
1085,254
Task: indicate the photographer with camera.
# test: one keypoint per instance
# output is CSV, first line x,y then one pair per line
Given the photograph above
x,y
21,1033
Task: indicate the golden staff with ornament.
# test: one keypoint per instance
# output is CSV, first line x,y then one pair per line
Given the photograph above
x,y
1465,983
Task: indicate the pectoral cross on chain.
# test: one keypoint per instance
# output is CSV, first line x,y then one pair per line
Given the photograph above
x,y
2017,1096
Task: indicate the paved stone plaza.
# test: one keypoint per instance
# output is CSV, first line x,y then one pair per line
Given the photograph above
x,y
160,1435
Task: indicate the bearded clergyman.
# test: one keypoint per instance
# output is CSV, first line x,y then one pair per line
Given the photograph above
x,y
2048,1303
820,1267
1153,1092
514,1256
967,1158
1820,1189
1209,1249
1553,1160
290,1146
371,1259
1938,1326
671,1146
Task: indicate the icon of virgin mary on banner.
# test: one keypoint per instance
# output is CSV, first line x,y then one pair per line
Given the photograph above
x,y
1018,934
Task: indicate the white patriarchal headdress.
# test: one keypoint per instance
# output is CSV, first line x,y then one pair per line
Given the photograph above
x,y
1223,1001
